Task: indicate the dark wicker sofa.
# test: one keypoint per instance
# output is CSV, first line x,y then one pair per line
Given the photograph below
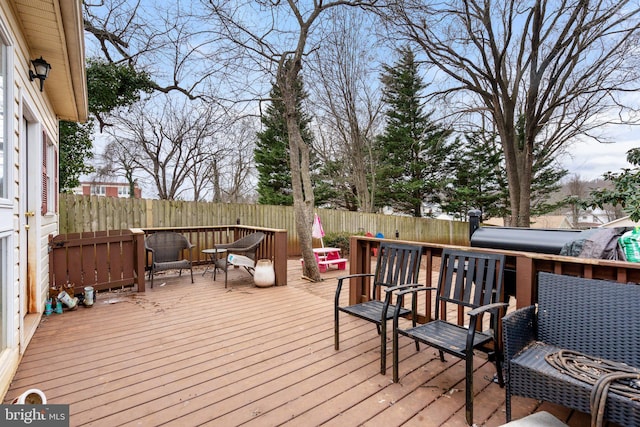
x,y
597,318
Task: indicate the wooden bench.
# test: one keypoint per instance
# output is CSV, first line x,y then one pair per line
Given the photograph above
x,y
596,318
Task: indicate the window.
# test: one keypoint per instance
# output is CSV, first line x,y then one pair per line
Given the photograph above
x,y
123,191
98,190
49,176
6,179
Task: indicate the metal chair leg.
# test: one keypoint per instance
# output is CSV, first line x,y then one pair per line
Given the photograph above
x,y
469,389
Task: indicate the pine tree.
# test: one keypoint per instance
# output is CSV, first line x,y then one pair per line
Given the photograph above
x,y
413,150
271,154
478,180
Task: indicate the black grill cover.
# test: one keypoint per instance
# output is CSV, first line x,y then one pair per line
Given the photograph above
x,y
546,241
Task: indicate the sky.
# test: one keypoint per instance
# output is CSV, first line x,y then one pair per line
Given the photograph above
x,y
591,159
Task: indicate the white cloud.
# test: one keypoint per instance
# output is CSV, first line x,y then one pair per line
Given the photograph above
x,y
591,159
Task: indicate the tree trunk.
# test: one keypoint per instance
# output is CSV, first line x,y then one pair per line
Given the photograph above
x,y
519,173
303,197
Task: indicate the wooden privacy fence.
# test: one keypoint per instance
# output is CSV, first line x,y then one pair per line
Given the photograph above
x,y
95,213
116,258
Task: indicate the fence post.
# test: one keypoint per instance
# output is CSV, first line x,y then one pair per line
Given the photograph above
x,y
359,262
280,257
526,291
139,260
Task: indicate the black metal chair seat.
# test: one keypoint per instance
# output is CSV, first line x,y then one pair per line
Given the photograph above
x,y
371,311
448,337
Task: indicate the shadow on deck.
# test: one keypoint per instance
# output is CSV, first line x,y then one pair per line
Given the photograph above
x,y
197,354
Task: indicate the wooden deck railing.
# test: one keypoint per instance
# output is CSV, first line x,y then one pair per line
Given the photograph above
x,y
273,247
116,258
102,259
522,268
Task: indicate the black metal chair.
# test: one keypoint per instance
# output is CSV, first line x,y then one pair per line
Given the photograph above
x,y
471,282
397,264
246,246
166,249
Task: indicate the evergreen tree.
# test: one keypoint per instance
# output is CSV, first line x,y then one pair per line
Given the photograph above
x,y
271,154
480,179
109,86
76,148
547,180
547,175
413,150
477,180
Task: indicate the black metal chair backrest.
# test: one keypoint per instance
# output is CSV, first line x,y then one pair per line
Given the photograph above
x,y
469,280
397,264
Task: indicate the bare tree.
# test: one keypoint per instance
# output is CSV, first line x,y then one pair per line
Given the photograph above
x,y
347,105
166,42
276,37
236,176
577,192
170,145
563,67
115,161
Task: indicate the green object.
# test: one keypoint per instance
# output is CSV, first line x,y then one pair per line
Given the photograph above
x,y
630,242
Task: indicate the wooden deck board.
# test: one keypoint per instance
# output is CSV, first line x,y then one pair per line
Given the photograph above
x,y
198,354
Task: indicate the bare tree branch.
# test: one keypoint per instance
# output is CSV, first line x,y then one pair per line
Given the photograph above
x,y
563,66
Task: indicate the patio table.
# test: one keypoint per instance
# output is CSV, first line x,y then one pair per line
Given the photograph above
x,y
215,261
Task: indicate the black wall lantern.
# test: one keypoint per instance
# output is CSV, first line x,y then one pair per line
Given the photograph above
x,y
42,68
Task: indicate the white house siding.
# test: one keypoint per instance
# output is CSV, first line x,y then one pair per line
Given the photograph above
x,y
23,270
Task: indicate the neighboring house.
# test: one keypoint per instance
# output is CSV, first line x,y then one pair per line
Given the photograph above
x,y
621,222
550,221
30,30
591,218
108,189
546,221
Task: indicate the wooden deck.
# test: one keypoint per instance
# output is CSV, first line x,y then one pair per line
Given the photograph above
x,y
198,354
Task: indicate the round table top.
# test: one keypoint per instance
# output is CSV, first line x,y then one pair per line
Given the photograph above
x,y
214,251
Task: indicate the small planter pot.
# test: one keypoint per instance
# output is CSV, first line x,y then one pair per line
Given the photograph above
x,y
89,296
33,396
264,274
